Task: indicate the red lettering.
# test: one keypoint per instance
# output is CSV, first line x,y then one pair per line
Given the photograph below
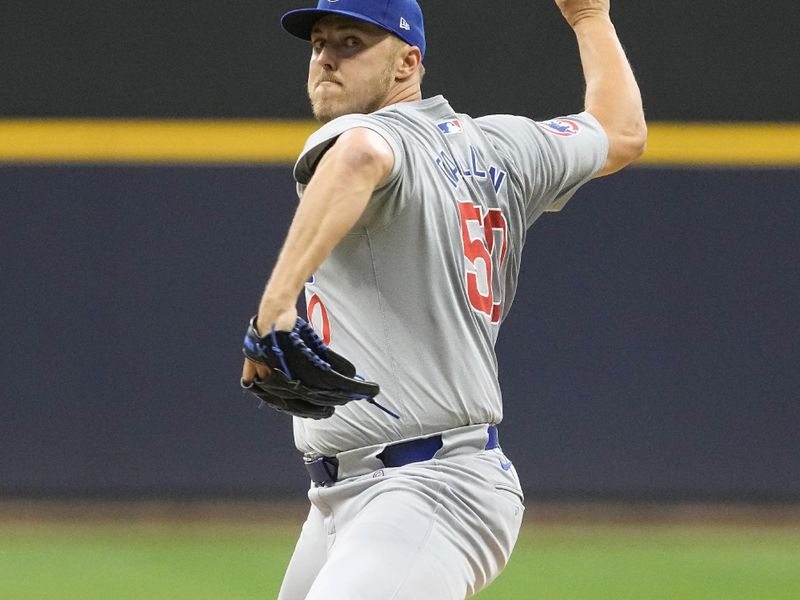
x,y
316,302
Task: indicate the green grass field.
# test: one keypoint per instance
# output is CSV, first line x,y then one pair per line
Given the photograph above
x,y
231,561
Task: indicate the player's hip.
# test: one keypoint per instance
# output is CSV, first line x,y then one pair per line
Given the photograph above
x,y
468,502
375,459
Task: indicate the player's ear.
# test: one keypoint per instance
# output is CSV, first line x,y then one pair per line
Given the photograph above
x,y
409,61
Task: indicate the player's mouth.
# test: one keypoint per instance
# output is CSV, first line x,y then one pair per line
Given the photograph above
x,y
328,81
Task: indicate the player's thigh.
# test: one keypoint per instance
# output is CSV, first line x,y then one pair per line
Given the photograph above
x,y
308,558
489,505
397,547
441,530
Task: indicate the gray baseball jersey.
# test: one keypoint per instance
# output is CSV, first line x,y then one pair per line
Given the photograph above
x,y
415,294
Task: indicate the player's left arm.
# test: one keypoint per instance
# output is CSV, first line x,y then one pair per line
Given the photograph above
x,y
336,196
612,94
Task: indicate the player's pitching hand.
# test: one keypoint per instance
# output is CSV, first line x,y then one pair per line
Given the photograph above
x,y
575,11
295,372
284,320
251,370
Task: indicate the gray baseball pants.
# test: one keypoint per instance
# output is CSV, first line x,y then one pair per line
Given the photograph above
x,y
441,529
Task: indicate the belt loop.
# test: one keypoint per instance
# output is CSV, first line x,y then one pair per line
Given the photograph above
x,y
323,470
494,439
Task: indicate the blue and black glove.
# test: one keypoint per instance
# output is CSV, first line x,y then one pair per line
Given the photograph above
x,y
306,378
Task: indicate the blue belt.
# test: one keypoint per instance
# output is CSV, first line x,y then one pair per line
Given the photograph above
x,y
324,469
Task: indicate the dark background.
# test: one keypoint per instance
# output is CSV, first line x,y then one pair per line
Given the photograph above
x,y
711,60
654,346
652,351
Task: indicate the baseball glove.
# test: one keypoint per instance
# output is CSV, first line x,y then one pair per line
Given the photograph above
x,y
306,379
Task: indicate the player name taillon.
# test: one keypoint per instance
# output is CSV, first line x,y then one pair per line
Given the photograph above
x,y
454,172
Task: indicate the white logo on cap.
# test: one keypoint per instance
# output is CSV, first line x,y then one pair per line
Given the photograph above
x,y
404,24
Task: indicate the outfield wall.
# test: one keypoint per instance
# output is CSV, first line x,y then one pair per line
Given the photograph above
x,y
713,61
652,351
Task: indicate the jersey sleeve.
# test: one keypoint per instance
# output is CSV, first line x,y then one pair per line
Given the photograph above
x,y
552,159
383,203
320,141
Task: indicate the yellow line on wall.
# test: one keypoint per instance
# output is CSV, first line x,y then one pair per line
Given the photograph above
x,y
279,142
726,144
146,141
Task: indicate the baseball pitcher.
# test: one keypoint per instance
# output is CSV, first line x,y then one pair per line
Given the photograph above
x,y
407,241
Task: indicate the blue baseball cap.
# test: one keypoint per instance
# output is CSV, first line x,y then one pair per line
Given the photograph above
x,y
403,18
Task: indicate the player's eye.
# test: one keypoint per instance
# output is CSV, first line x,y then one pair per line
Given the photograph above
x,y
352,42
317,45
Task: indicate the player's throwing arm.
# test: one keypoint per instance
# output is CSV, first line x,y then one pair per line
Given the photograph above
x,y
612,94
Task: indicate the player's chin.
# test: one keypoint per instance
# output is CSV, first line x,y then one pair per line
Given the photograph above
x,y
322,115
321,106
327,111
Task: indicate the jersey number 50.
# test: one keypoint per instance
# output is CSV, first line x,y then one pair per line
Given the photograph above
x,y
479,232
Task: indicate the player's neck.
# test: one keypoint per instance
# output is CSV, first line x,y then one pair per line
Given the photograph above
x,y
406,91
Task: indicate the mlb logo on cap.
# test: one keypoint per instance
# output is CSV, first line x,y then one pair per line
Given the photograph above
x,y
450,126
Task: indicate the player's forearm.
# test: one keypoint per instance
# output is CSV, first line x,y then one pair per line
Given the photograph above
x,y
332,204
612,94
324,217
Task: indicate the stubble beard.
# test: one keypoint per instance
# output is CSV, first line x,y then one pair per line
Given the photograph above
x,y
350,102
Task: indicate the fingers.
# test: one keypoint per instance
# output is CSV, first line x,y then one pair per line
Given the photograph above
x,y
251,371
248,372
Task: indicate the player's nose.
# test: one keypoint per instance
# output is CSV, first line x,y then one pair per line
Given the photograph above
x,y
326,59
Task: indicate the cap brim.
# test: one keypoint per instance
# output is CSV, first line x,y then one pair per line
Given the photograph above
x,y
300,22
